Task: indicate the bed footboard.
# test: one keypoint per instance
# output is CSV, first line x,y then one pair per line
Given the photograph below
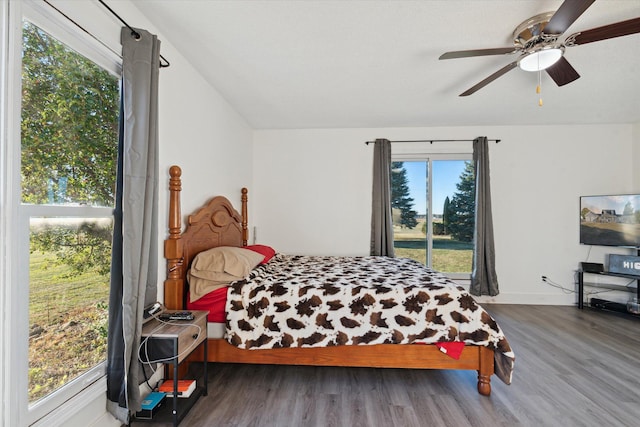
x,y
408,356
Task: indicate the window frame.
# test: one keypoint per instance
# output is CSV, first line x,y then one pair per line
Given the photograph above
x,y
418,156
61,404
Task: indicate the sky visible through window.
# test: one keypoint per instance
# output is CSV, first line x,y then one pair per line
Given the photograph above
x,y
446,174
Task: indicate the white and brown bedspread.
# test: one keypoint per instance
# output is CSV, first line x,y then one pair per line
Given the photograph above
x,y
312,301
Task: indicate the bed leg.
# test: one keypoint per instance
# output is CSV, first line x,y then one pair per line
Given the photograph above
x,y
484,384
485,371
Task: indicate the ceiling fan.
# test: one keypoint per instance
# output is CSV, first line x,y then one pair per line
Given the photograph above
x,y
537,42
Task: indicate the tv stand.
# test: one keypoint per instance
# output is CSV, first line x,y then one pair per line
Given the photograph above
x,y
582,284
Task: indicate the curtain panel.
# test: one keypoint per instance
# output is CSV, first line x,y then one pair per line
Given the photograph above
x,y
381,220
484,280
135,252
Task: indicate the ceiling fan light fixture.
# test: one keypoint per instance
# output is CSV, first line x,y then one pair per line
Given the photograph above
x,y
540,59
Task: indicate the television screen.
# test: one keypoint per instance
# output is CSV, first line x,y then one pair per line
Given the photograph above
x,y
610,220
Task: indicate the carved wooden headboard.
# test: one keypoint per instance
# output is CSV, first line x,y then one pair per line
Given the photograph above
x,y
215,224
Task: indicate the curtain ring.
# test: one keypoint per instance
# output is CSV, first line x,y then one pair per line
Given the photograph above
x,y
135,35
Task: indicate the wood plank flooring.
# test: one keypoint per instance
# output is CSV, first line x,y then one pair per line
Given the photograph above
x,y
573,368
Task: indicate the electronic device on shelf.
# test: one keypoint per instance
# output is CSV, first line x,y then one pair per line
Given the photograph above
x,y
150,311
608,305
177,315
624,264
592,267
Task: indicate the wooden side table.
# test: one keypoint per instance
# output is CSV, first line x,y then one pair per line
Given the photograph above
x,y
171,342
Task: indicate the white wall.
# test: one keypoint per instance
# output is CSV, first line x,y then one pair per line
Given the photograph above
x,y
636,156
312,191
311,194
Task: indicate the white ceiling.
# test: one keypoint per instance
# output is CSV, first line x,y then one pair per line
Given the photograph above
x,y
336,64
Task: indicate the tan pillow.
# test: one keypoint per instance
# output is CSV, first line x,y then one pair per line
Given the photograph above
x,y
217,267
200,287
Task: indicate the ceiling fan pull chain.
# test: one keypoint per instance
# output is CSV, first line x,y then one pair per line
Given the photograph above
x,y
539,88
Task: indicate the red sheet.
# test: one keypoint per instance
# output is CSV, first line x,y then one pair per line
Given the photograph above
x,y
214,301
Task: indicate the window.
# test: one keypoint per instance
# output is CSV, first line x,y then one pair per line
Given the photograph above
x,y
433,204
68,157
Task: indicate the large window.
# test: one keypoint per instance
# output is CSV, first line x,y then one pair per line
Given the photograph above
x,y
433,203
68,157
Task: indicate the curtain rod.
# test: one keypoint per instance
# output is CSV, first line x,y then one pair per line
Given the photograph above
x,y
134,33
431,141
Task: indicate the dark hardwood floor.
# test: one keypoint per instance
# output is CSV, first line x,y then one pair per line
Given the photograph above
x,y
573,368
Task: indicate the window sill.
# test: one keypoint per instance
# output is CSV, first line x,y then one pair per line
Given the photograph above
x,y
83,408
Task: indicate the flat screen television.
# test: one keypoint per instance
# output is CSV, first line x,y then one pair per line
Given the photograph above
x,y
612,220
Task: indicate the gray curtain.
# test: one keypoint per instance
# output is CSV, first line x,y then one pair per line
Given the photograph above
x,y
381,221
135,253
484,280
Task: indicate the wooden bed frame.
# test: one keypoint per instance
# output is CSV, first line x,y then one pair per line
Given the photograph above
x,y
217,223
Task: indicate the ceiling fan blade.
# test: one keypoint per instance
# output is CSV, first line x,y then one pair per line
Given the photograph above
x,y
562,72
566,15
619,29
491,78
477,52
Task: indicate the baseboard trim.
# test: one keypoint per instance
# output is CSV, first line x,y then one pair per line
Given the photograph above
x,y
528,299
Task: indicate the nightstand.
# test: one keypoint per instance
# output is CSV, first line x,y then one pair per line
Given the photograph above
x,y
171,343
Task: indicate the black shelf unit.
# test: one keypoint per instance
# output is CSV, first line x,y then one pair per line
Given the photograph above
x,y
614,287
172,343
174,410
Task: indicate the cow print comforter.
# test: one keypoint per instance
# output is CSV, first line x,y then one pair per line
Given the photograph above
x,y
311,301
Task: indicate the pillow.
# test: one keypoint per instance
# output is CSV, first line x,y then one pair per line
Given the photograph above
x,y
265,250
217,267
226,259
